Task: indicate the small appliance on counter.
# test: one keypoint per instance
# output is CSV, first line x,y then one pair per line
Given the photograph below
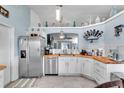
x,y
84,52
46,51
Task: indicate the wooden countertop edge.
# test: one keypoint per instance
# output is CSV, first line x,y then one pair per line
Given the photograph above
x,y
98,58
2,67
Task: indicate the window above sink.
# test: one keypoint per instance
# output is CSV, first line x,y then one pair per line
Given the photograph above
x,y
70,41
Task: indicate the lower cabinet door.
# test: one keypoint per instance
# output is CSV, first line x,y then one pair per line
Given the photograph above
x,y
99,79
79,67
82,68
63,68
72,68
86,69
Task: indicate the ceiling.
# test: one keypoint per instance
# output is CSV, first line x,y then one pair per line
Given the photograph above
x,y
70,13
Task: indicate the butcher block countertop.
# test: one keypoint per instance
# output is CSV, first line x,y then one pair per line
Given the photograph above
x,y
105,60
98,58
2,66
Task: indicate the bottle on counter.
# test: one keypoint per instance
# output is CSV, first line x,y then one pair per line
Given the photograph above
x,y
97,20
97,52
93,52
89,52
110,55
74,24
101,53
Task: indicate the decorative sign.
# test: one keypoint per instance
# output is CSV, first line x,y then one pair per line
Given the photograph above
x,y
4,12
92,35
118,29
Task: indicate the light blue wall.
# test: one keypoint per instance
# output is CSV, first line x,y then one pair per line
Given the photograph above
x,y
107,41
19,18
110,40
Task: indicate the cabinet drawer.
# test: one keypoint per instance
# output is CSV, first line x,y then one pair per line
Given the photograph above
x,y
98,79
101,79
104,75
100,65
102,72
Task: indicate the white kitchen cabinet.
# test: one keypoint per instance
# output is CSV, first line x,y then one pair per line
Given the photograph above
x,y
81,60
69,66
79,66
63,66
72,65
98,71
66,65
87,67
1,78
72,68
102,71
101,74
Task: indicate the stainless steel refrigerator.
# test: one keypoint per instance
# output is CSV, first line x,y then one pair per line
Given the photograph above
x,y
31,51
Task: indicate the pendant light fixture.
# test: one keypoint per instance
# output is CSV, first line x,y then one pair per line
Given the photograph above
x,y
59,19
58,12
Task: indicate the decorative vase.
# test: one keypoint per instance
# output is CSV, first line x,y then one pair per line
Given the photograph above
x,y
97,19
39,24
74,24
90,20
46,24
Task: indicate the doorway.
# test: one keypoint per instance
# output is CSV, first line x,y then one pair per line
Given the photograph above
x,y
6,54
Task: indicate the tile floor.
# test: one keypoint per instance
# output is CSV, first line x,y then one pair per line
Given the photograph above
x,y
54,82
